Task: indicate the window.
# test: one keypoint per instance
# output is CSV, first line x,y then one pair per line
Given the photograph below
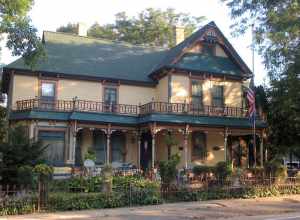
x,y
110,99
110,95
55,143
118,152
199,145
197,94
48,90
217,96
100,146
209,49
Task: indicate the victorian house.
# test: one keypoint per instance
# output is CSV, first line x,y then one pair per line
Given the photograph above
x,y
122,100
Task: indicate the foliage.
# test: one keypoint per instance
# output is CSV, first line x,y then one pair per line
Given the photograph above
x,y
203,170
284,113
22,37
18,151
43,170
171,141
275,169
3,124
151,26
167,169
90,155
223,170
276,28
277,36
18,205
69,28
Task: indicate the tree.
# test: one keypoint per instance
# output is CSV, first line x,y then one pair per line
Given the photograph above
x,y
69,28
18,152
276,26
22,37
150,26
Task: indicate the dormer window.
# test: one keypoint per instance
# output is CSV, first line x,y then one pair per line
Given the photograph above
x,y
209,49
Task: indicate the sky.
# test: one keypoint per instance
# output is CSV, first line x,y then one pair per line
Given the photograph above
x,y
50,14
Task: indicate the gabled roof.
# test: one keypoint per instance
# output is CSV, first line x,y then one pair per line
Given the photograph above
x,y
73,56
176,51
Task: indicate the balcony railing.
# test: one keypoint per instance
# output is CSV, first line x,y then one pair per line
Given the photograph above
x,y
149,108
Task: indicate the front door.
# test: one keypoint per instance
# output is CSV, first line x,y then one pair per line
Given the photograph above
x,y
146,151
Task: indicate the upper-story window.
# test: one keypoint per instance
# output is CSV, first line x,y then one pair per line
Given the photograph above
x,y
48,90
209,49
110,95
197,94
218,96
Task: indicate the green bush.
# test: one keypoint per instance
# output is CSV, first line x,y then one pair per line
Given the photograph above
x,y
223,170
167,169
275,169
203,170
18,205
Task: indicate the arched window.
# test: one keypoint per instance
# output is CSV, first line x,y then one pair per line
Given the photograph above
x,y
199,150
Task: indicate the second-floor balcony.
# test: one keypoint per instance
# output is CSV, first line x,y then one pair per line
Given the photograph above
x,y
127,109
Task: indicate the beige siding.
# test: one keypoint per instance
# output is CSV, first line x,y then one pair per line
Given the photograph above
x,y
220,52
135,94
180,88
24,87
162,90
68,89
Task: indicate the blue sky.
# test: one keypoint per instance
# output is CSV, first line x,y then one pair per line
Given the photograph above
x,y
50,14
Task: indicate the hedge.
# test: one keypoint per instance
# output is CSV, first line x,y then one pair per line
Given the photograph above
x,y
78,201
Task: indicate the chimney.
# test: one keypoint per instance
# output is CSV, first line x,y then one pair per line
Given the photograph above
x,y
178,34
82,29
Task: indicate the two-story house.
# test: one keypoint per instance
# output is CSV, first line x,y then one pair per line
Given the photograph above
x,y
122,100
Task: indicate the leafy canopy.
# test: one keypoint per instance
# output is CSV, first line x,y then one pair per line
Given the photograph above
x,y
150,26
276,26
22,37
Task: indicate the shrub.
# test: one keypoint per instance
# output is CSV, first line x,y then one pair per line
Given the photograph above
x,y
223,170
203,170
167,169
275,169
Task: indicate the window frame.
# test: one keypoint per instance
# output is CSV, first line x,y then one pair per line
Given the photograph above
x,y
49,129
213,97
197,96
48,81
111,87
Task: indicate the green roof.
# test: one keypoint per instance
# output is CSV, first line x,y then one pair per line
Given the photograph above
x,y
75,56
136,120
207,63
84,56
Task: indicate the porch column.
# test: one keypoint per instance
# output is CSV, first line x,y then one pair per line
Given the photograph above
x,y
153,150
108,135
153,133
72,143
185,143
139,149
225,144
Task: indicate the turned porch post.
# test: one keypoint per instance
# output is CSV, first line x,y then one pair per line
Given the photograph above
x,y
139,149
72,142
185,143
108,135
153,133
225,144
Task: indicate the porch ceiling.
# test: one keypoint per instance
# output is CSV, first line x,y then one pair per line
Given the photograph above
x,y
135,120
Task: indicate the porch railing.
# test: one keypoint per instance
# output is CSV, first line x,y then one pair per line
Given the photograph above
x,y
192,109
149,108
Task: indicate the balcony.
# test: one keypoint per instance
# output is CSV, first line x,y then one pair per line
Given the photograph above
x,y
125,109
